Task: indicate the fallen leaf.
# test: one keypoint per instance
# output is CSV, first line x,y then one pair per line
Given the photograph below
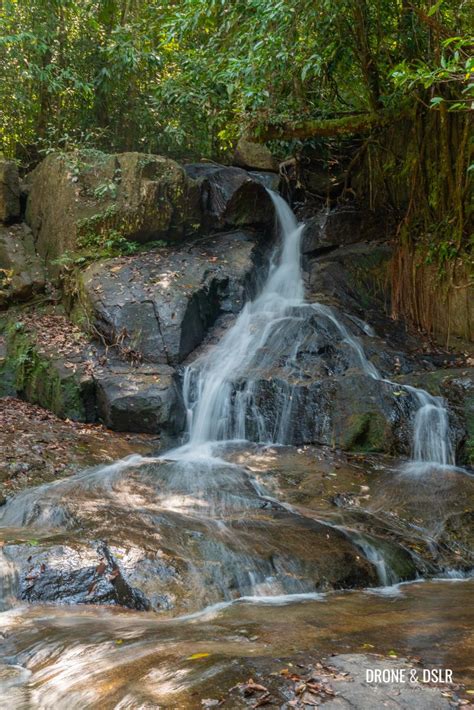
x,y
195,656
309,699
264,700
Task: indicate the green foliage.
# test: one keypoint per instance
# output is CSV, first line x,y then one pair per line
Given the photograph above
x,y
188,77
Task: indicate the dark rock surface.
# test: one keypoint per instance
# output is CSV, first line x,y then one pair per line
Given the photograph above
x,y
341,226
144,399
9,191
311,383
352,277
69,575
231,197
161,304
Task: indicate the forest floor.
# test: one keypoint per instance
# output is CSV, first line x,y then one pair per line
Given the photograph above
x,y
37,447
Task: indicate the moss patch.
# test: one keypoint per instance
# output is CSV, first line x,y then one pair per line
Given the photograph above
x,y
41,379
365,432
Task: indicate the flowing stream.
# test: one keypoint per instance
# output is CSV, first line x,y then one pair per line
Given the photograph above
x,y
240,547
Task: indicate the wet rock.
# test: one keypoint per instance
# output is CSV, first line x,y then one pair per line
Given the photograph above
x,y
21,271
230,197
254,155
77,199
341,226
269,180
310,383
161,304
460,393
350,411
354,692
159,515
456,386
356,279
9,191
145,399
69,575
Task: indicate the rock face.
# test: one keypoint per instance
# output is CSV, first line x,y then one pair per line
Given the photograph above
x,y
254,155
75,576
310,384
341,226
230,197
158,518
81,199
21,271
9,191
76,379
354,278
144,399
161,304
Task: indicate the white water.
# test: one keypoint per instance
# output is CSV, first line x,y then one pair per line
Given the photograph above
x,y
215,411
431,442
218,388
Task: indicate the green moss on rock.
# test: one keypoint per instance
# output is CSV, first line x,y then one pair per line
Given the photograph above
x,y
367,431
42,379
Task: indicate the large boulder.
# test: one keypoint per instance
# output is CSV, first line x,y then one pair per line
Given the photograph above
x,y
50,362
9,191
160,304
231,197
85,200
254,155
141,399
21,271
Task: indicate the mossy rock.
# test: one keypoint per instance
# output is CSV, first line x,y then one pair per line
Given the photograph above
x,y
367,431
83,202
45,379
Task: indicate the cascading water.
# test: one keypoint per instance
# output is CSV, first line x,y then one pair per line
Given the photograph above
x,y
431,441
219,387
216,411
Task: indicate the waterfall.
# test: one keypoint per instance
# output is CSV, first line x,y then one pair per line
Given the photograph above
x,y
218,388
215,411
431,441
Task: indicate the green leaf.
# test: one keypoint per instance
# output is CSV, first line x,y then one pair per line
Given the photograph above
x,y
435,8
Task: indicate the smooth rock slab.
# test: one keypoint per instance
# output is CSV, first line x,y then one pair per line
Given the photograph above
x,y
356,694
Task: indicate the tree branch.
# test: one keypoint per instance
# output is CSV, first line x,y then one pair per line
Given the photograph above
x,y
347,125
